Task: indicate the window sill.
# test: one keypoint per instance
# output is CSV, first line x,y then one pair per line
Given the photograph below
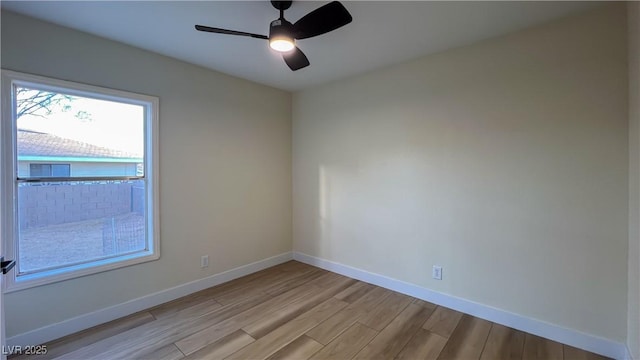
x,y
22,282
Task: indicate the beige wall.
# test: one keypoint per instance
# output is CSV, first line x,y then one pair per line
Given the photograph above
x,y
633,320
225,175
505,162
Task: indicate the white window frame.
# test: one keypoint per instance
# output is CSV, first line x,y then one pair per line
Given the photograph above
x,y
9,183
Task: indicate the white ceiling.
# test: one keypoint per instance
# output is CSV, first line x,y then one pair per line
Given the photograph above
x,y
382,32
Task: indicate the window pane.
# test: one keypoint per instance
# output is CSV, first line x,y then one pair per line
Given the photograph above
x,y
65,223
39,170
93,138
60,170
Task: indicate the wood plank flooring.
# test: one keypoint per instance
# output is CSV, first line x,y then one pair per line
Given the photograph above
x,y
296,311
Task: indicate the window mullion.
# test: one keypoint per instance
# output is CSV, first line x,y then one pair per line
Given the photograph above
x,y
77,179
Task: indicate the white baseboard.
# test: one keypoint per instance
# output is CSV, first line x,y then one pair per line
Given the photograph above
x,y
85,321
550,331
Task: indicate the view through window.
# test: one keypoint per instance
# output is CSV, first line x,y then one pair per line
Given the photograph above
x,y
65,222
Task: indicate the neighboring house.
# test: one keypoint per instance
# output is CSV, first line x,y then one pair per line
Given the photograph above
x,y
41,155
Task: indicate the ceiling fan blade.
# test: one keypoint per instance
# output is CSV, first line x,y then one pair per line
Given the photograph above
x,y
295,59
322,20
229,32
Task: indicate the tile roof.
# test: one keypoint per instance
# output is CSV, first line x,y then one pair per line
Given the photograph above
x,y
33,143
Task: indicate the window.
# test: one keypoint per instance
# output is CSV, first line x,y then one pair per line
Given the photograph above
x,y
49,170
79,178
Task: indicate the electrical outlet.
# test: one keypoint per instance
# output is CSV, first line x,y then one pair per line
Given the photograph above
x,y
437,272
204,261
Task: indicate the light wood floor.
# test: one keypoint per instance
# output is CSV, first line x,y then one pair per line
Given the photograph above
x,y
296,311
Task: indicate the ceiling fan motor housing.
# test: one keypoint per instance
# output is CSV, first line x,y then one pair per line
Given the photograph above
x,y
281,35
281,28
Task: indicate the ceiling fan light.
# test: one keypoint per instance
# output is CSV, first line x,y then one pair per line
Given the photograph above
x,y
280,35
281,44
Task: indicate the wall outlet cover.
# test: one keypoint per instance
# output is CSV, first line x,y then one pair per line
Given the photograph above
x,y
437,272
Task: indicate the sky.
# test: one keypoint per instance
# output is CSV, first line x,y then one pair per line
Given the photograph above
x,y
108,124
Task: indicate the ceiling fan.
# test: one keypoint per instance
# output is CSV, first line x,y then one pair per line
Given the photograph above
x,y
283,34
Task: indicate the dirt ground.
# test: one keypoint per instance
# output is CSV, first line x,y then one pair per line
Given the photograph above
x,y
55,245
